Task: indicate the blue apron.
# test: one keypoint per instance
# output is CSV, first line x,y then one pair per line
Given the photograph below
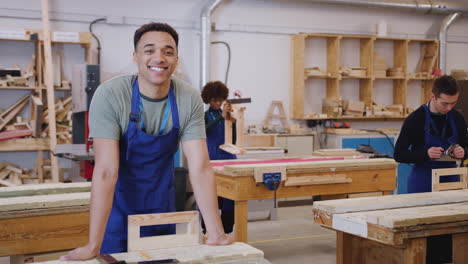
x,y
420,178
146,175
214,139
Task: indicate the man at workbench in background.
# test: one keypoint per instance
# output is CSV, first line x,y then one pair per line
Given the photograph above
x,y
428,132
136,122
215,94
425,135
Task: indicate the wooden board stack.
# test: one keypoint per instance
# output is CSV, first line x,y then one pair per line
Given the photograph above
x,y
12,175
63,117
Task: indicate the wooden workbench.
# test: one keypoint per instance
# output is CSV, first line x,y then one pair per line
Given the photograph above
x,y
394,229
43,217
237,253
235,180
55,217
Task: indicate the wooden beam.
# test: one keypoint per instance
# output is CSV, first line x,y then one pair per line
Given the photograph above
x,y
45,189
49,82
25,144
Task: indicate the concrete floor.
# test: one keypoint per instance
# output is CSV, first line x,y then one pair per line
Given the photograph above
x,y
293,238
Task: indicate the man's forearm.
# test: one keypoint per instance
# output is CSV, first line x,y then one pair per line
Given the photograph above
x,y
207,199
102,193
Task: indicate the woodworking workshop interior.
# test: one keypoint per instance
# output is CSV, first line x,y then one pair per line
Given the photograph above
x,y
234,131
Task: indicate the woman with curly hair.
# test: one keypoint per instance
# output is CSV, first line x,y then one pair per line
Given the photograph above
x,y
215,94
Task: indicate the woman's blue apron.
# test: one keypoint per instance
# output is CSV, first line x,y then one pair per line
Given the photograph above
x,y
420,179
146,175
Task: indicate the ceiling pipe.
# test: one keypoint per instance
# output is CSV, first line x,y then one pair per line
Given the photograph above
x,y
422,6
448,21
206,40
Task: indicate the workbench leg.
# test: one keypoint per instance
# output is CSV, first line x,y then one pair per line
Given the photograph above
x,y
343,248
240,221
415,253
460,248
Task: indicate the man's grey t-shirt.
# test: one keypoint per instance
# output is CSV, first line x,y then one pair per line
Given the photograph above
x,y
111,104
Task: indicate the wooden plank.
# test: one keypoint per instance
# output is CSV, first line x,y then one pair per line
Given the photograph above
x,y
44,201
24,144
405,217
392,202
237,253
44,211
43,189
36,115
336,152
190,238
11,113
314,180
43,233
368,194
49,83
7,183
15,134
4,174
330,165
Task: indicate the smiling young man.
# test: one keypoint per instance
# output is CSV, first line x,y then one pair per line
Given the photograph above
x,y
136,122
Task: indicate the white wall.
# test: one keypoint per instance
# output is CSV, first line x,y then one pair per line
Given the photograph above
x,y
257,31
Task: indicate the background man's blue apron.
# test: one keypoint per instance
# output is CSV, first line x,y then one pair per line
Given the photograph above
x,y
420,179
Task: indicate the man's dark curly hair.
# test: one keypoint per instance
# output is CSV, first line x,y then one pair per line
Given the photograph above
x,y
153,26
446,85
214,90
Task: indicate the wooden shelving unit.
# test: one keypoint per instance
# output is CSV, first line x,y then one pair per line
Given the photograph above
x,y
44,85
367,82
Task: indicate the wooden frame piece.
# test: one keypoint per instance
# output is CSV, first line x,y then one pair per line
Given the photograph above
x,y
228,146
444,186
191,238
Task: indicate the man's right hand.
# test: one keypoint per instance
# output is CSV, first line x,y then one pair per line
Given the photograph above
x,y
435,152
81,253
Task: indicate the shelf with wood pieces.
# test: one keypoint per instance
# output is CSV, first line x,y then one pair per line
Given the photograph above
x,y
43,73
369,71
32,77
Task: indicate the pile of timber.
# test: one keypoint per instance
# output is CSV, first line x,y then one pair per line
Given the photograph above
x,y
63,119
13,125
12,175
14,77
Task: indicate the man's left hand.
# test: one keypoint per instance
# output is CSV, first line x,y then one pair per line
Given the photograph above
x,y
458,152
220,240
